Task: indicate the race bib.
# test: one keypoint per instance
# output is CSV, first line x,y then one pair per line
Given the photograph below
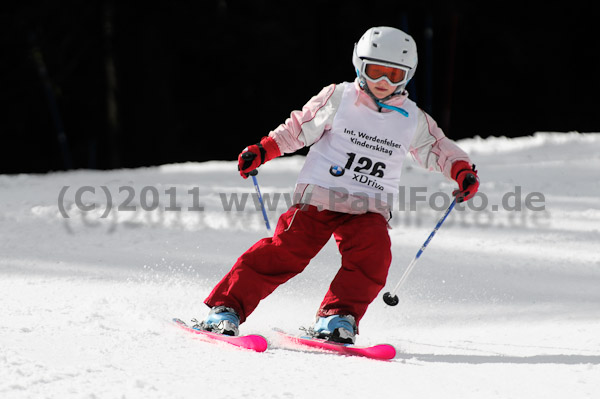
x,y
363,152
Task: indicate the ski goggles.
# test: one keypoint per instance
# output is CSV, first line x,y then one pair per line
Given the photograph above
x,y
394,74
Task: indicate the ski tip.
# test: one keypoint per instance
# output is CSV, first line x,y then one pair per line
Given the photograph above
x,y
385,351
257,343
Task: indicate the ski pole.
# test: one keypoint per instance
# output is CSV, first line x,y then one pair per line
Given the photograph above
x,y
390,298
248,156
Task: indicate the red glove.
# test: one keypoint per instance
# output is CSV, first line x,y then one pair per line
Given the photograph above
x,y
255,155
466,177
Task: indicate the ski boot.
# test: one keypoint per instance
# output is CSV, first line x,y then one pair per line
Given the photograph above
x,y
336,328
220,320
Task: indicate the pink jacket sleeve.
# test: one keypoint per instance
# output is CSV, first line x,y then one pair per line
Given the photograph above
x,y
306,126
432,149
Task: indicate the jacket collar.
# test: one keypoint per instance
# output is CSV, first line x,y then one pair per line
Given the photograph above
x,y
365,99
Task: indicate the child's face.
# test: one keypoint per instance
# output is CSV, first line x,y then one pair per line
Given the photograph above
x,y
380,89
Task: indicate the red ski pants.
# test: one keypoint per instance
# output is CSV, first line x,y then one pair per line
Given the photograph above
x,y
301,232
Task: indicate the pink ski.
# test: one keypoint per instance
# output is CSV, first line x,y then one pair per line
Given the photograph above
x,y
379,352
256,343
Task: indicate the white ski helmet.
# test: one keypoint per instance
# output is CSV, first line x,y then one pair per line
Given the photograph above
x,y
385,46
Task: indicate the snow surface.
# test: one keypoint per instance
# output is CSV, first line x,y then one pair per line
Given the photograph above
x,y
503,303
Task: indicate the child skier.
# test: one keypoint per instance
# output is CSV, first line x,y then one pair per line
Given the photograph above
x,y
360,134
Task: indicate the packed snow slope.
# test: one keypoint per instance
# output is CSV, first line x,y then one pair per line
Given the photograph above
x,y
504,303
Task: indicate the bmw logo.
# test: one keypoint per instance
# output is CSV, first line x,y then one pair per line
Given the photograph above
x,y
336,170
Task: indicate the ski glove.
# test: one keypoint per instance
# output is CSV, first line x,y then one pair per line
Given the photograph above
x,y
466,177
255,155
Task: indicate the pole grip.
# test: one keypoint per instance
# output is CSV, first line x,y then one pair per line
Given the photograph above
x,y
249,156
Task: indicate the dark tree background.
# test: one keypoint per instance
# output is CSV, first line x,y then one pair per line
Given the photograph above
x,y
108,84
